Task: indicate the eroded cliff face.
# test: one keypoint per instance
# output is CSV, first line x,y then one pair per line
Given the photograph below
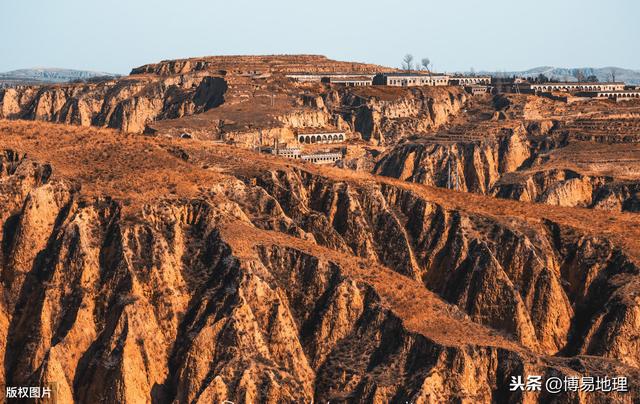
x,y
507,276
570,188
386,115
291,286
473,166
511,164
379,116
128,104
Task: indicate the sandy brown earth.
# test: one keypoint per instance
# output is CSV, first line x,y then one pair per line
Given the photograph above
x,y
463,241
146,269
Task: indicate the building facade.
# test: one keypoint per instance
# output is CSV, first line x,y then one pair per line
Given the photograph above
x,y
288,152
623,95
322,158
330,77
330,137
411,79
575,86
305,77
359,81
470,80
478,89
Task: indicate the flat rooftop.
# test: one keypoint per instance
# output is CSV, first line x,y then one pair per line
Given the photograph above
x,y
580,83
351,78
614,91
318,131
407,74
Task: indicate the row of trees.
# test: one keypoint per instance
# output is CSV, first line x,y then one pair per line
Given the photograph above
x,y
578,74
581,76
541,78
409,64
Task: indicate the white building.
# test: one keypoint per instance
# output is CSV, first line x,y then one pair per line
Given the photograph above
x,y
324,137
322,158
406,79
330,77
470,80
288,152
623,95
476,89
575,86
356,81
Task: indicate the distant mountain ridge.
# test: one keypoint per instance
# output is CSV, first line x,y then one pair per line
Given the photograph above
x,y
48,76
629,76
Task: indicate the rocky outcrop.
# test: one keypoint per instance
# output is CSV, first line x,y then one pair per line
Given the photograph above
x,y
376,115
473,166
385,115
126,104
511,165
619,196
307,118
570,188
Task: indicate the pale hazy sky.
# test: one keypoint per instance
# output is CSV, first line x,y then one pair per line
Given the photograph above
x,y
116,35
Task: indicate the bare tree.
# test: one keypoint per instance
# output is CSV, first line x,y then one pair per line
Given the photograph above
x,y
613,76
407,62
579,75
426,63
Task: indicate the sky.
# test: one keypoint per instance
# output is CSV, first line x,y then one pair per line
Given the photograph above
x,y
456,35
